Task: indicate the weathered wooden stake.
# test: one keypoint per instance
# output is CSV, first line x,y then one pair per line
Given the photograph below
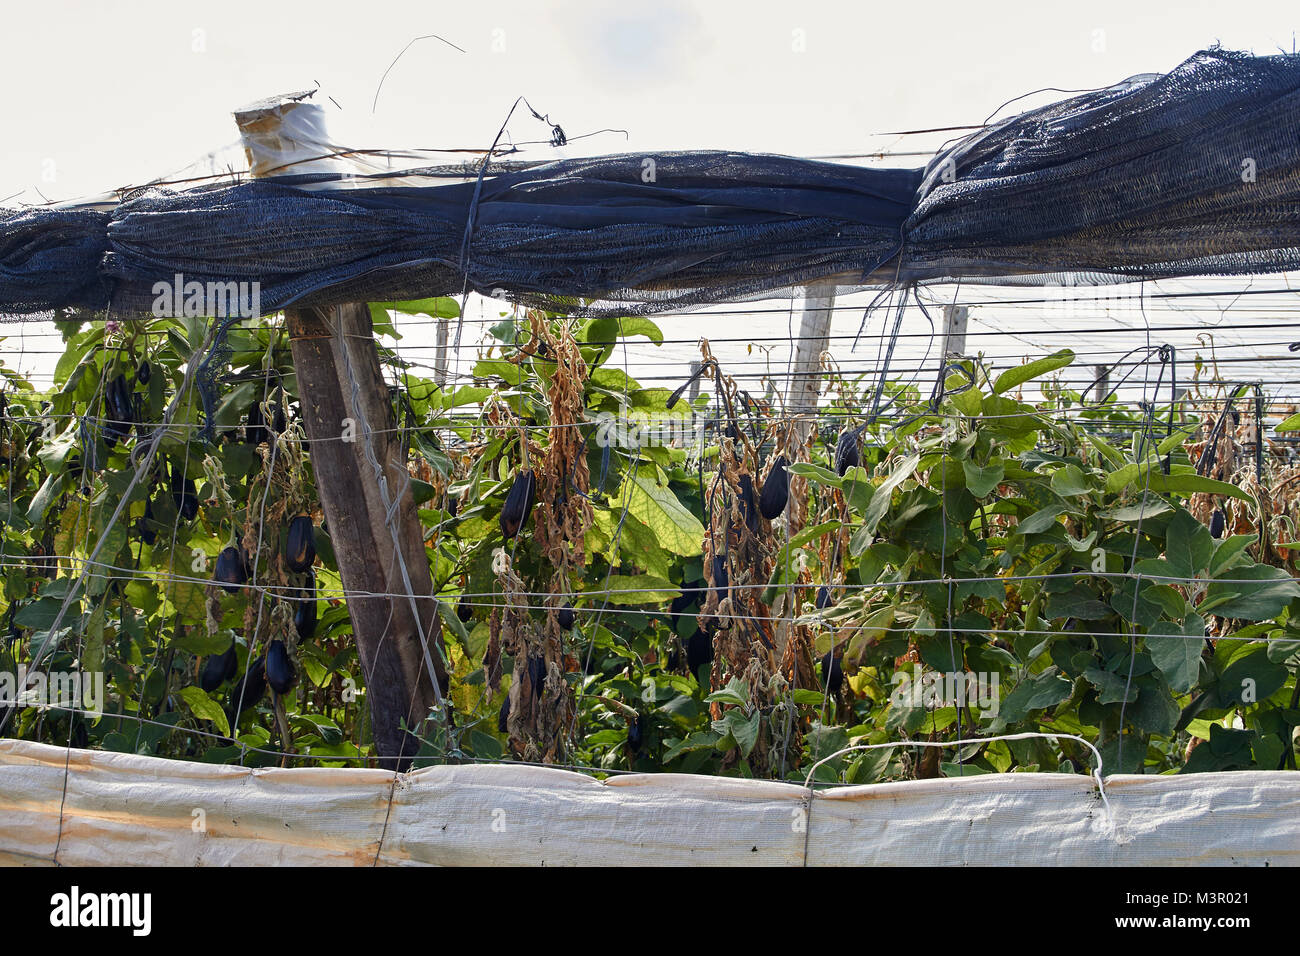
x,y
1101,387
804,387
364,487
954,329
396,647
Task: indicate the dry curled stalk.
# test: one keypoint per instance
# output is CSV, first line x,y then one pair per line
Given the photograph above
x,y
771,659
541,700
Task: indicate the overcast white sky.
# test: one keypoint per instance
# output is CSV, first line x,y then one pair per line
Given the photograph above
x,y
100,95
97,95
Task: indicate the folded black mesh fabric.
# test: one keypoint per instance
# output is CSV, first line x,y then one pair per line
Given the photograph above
x,y
1195,172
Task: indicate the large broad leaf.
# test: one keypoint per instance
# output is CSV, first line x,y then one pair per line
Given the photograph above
x,y
1251,678
880,501
1170,600
185,596
626,589
980,481
76,349
656,507
735,726
236,404
1262,592
44,496
810,534
858,489
465,395
873,629
604,331
1188,546
1154,712
1138,511
1040,520
640,545
1082,601
817,473
1230,552
40,615
205,708
447,612
1226,750
1148,476
54,455
1030,370
1070,481
1034,693
1176,650
1114,687
1008,417
439,307
1133,604
1188,484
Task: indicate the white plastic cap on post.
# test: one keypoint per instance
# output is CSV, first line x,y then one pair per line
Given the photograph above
x,y
287,134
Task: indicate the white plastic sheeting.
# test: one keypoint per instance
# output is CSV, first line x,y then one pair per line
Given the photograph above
x,y
120,809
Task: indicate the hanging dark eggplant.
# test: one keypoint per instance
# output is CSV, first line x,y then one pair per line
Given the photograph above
x,y
120,416
1217,523
748,507
776,490
143,527
138,414
519,503
91,459
699,651
279,669
681,603
636,733
304,616
231,572
185,495
848,450
143,372
537,675
255,426
720,582
565,617
464,610
218,669
832,672
250,689
300,548
824,597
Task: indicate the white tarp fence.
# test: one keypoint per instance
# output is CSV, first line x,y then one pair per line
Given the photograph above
x,y
120,809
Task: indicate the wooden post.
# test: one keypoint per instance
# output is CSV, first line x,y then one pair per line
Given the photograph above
x,y
364,488
804,387
1102,386
440,355
342,392
954,329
